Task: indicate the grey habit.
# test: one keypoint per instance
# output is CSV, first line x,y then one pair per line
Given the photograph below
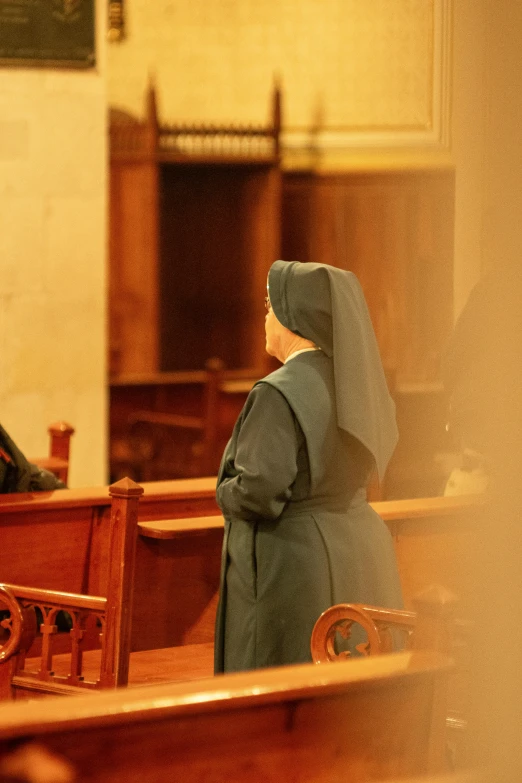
x,y
299,533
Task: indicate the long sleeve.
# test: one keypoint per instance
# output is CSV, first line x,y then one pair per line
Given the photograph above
x,y
261,461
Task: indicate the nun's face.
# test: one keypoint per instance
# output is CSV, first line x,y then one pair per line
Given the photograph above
x,y
278,337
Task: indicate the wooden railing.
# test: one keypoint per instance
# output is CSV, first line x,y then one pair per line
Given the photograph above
x,y
101,621
186,142
84,612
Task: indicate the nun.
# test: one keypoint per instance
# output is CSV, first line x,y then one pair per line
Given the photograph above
x,y
300,535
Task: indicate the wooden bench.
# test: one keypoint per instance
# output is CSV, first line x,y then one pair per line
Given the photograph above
x,y
431,538
100,618
180,544
96,616
57,461
359,721
50,539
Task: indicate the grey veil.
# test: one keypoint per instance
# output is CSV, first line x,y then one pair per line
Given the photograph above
x,y
327,305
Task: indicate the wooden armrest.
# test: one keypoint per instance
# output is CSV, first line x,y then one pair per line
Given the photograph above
x,y
175,528
56,598
167,420
237,387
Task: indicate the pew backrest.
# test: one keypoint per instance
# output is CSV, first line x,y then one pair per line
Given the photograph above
x,y
359,720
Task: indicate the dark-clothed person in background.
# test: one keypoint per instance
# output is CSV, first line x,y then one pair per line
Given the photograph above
x,y
299,533
482,373
17,474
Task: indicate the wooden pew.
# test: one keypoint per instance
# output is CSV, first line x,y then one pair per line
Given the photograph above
x,y
30,662
57,461
431,537
360,720
180,545
432,626
175,425
49,539
97,615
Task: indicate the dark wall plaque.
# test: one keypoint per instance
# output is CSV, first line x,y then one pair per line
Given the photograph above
x,y
57,33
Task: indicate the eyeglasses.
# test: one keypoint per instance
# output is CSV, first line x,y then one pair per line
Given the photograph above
x,y
267,304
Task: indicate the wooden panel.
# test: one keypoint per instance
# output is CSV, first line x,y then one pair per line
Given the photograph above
x,y
219,232
262,198
50,552
176,590
133,269
395,231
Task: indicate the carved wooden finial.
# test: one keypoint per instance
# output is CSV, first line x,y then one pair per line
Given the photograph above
x,y
151,107
125,487
435,599
214,364
61,429
276,110
435,609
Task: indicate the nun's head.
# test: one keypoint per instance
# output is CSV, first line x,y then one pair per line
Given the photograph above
x,y
300,298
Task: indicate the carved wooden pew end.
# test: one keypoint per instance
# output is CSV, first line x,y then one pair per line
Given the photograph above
x,y
108,617
88,618
431,627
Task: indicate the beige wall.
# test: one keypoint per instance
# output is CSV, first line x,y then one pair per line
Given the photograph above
x,y
486,122
489,228
367,75
468,140
52,259
502,234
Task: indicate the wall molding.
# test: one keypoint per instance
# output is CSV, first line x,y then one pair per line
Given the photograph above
x,y
434,134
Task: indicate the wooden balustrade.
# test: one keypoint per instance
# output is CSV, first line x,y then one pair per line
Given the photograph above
x,y
102,620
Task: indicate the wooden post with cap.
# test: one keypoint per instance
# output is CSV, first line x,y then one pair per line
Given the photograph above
x,y
125,496
435,608
60,435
